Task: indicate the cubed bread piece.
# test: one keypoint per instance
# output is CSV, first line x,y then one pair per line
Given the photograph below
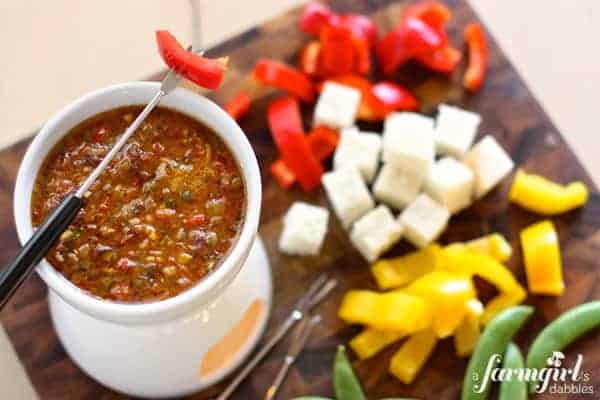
x,y
450,183
304,229
395,187
348,194
375,233
424,220
489,163
455,130
360,150
408,142
337,106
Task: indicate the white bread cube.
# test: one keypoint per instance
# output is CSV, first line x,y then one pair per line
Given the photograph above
x,y
337,106
304,229
450,183
455,130
489,163
396,187
360,150
424,220
408,142
375,233
348,194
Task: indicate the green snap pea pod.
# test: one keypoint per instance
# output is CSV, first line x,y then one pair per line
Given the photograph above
x,y
493,341
345,382
564,330
513,388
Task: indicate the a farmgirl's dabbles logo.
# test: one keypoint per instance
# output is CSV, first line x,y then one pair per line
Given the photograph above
x,y
555,378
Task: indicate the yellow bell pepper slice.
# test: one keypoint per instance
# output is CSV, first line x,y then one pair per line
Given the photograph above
x,y
446,294
457,258
540,195
502,302
467,333
493,244
392,311
410,358
371,341
399,271
541,253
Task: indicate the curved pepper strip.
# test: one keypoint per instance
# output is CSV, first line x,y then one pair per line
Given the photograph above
x,y
371,341
493,244
541,253
286,127
478,57
399,271
393,311
446,295
467,333
205,72
322,142
238,105
410,358
540,195
458,259
286,78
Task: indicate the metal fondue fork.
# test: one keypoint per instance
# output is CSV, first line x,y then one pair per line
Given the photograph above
x,y
46,235
317,291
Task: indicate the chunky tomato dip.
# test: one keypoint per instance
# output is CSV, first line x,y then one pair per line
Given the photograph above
x,y
161,217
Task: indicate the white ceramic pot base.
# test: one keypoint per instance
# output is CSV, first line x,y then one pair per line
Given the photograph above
x,y
163,360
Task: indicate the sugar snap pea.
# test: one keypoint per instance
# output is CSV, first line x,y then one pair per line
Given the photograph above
x,y
513,388
493,341
345,383
564,330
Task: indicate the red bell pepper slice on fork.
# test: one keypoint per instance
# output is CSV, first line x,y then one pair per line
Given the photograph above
x,y
286,128
205,72
478,57
286,78
238,105
322,141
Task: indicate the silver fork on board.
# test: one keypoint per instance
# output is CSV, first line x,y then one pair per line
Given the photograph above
x,y
317,291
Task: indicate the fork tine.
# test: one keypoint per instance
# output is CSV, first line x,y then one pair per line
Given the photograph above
x,y
321,294
312,290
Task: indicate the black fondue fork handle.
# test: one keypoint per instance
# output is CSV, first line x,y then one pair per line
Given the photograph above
x,y
14,272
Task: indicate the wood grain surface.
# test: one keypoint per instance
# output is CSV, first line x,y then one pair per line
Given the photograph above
x,y
510,113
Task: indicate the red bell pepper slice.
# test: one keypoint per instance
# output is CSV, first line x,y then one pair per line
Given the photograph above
x,y
338,50
314,17
286,78
362,56
478,57
238,105
431,12
392,97
286,127
284,176
412,37
309,59
361,26
322,141
444,60
205,72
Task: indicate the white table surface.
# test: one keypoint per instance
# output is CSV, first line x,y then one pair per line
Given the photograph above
x,y
54,51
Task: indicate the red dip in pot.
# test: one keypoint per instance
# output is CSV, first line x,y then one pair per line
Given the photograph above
x,y
161,217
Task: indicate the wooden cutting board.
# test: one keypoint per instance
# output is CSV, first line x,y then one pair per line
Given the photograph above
x,y
510,113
